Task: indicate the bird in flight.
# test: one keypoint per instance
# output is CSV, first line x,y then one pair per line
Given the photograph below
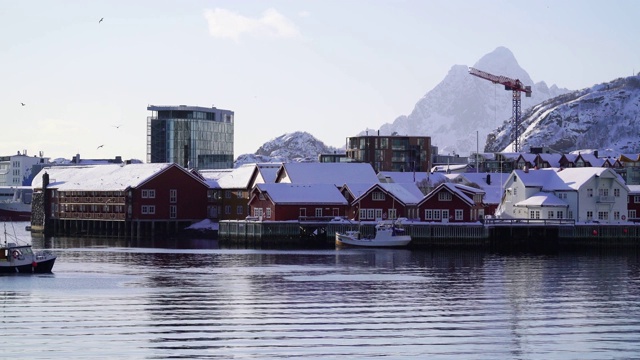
x,y
117,126
100,20
99,146
23,104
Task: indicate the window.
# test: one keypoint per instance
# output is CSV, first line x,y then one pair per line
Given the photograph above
x,y
377,196
148,209
173,211
428,214
173,196
444,196
559,214
534,214
362,214
261,196
318,212
436,214
515,191
239,210
445,214
569,214
370,214
632,214
550,214
303,212
603,192
257,212
227,194
148,193
227,209
239,194
636,199
590,192
459,214
589,215
616,215
616,192
268,213
603,215
392,214
378,214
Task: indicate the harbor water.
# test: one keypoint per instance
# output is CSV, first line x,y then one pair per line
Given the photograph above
x,y
197,299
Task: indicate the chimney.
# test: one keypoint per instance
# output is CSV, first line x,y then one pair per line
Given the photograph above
x,y
595,153
488,179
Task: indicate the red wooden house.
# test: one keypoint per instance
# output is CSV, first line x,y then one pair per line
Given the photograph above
x,y
452,203
285,201
130,199
382,201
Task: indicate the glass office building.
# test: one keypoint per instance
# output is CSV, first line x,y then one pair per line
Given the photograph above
x,y
192,136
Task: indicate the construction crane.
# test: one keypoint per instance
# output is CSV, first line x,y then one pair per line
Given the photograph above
x,y
509,84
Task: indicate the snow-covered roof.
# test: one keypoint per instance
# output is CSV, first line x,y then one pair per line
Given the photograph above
x,y
634,189
285,193
576,177
211,176
542,199
407,193
493,191
237,178
113,177
545,179
530,158
410,177
269,171
327,173
552,159
454,189
449,167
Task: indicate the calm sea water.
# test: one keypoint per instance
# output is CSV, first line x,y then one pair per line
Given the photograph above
x,y
115,299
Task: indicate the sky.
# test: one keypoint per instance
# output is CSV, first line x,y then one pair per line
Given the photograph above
x,y
330,68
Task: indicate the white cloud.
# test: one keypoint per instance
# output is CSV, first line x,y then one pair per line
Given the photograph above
x,y
227,24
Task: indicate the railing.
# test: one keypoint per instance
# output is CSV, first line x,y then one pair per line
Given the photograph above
x,y
528,222
606,199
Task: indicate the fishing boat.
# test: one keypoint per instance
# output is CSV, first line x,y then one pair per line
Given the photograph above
x,y
15,203
15,258
387,234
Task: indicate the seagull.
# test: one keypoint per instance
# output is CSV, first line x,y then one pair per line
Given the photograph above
x,y
23,104
100,20
99,146
117,126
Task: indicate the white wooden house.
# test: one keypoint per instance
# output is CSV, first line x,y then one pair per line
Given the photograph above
x,y
583,194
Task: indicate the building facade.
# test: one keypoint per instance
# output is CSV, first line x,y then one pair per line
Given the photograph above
x,y
17,170
191,136
391,152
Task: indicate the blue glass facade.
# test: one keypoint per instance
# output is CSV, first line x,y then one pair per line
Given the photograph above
x,y
192,136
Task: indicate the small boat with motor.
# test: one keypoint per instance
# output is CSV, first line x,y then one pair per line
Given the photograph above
x,y
15,258
386,235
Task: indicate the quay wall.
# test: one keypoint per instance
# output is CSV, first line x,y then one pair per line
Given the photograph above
x,y
525,234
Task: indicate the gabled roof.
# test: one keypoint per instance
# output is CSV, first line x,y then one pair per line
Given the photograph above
x,y
542,199
294,194
552,159
634,189
591,159
411,177
269,171
576,177
545,179
455,190
530,158
114,177
211,176
238,178
493,191
337,174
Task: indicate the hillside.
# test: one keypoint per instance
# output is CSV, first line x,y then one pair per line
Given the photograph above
x,y
601,117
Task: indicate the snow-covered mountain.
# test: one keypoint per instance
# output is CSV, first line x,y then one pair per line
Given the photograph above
x,y
291,147
462,104
601,117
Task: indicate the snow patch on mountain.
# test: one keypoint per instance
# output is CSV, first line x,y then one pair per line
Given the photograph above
x,y
601,117
462,109
290,147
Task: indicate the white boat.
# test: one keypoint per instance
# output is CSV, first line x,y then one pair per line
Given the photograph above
x,y
15,203
387,235
16,258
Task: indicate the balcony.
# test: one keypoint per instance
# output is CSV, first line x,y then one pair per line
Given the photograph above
x,y
606,199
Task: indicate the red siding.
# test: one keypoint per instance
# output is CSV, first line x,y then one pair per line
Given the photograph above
x,y
456,203
191,200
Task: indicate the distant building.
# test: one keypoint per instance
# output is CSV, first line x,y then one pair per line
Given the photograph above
x,y
333,158
391,152
17,170
191,136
